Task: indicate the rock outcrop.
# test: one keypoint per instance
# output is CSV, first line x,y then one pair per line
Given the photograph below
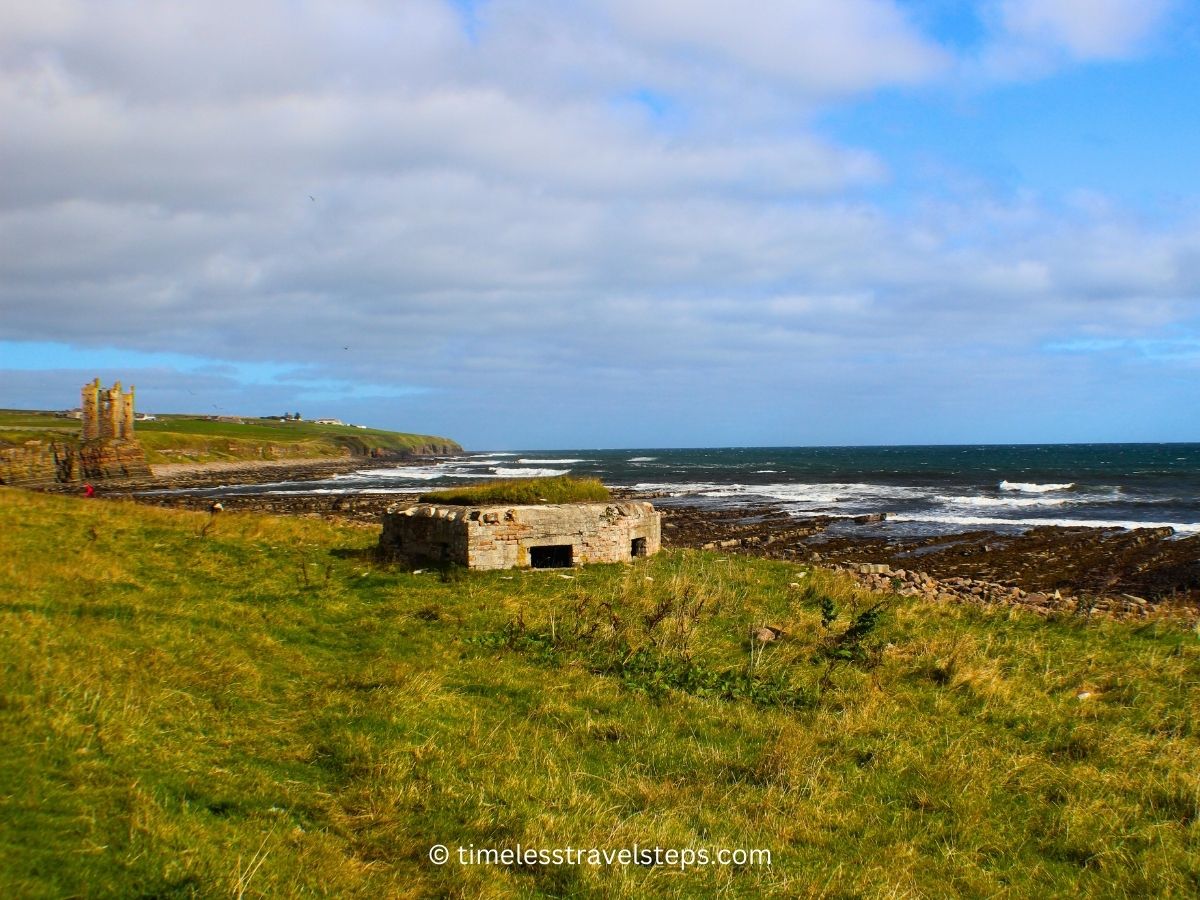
x,y
49,463
908,583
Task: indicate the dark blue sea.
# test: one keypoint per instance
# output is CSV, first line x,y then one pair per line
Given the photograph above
x,y
933,489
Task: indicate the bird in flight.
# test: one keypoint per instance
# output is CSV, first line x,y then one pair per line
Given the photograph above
x,y
312,198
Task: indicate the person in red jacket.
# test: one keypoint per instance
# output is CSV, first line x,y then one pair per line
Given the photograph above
x,y
89,491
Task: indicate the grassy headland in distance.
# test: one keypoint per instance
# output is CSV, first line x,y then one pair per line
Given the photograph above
x,y
247,705
197,439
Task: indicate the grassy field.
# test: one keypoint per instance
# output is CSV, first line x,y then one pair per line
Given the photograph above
x,y
250,706
560,489
179,438
20,425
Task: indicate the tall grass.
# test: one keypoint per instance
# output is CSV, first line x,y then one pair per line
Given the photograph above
x,y
265,710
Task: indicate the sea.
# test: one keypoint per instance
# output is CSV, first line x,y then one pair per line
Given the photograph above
x,y
922,490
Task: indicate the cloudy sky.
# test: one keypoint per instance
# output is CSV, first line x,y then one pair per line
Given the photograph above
x,y
619,223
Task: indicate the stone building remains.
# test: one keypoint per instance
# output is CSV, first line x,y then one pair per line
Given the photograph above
x,y
106,448
505,537
107,413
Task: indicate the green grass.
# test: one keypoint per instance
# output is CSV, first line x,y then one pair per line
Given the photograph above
x,y
559,489
34,420
250,706
179,438
20,425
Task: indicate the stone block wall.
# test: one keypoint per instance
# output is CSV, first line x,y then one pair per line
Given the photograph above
x,y
506,537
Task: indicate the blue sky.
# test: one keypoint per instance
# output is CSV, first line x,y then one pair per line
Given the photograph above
x,y
611,223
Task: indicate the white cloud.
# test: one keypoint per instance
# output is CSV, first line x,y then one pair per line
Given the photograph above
x,y
1031,38
1087,29
812,45
496,219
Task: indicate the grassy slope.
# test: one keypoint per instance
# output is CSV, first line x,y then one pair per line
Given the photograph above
x,y
560,489
190,439
264,708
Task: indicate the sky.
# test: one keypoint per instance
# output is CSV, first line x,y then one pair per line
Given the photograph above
x,y
611,223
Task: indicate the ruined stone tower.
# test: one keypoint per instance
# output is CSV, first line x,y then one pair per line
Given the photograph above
x,y
127,409
109,449
90,407
107,413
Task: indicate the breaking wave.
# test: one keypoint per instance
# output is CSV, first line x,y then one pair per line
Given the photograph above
x,y
303,492
1180,527
799,494
1026,487
408,473
1003,501
415,473
529,473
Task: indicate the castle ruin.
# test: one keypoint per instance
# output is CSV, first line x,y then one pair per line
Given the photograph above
x,y
107,413
107,448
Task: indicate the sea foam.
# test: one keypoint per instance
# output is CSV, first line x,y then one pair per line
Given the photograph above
x,y
417,473
1002,501
821,493
529,473
1180,527
1026,487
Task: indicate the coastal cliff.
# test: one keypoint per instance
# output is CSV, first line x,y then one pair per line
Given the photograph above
x,y
46,463
43,449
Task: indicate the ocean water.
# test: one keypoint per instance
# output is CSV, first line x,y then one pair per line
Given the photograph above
x,y
936,489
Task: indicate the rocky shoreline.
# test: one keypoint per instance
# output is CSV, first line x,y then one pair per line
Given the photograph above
x,y
1050,570
883,579
174,476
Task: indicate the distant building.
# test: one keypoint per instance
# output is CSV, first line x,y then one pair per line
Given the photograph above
x,y
328,422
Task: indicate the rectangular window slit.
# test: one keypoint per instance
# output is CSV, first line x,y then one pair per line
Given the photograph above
x,y
555,556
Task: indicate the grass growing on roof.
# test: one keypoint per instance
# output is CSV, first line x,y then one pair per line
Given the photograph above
x,y
559,489
258,708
